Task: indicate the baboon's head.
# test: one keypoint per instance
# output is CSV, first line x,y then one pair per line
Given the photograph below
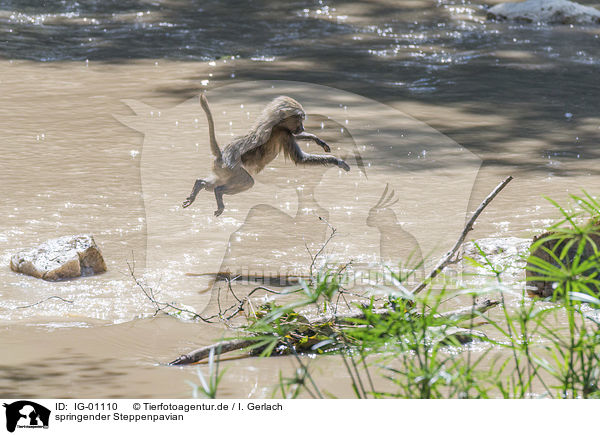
x,y
287,113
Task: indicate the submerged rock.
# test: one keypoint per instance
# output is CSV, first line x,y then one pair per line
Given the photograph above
x,y
65,257
451,335
545,11
504,253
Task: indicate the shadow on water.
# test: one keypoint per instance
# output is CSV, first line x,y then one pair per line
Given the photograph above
x,y
519,84
539,81
185,30
58,373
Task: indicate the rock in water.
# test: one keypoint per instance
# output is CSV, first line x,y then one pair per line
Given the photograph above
x,y
556,243
65,257
545,11
504,253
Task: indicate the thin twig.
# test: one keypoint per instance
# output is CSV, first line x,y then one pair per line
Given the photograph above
x,y
448,258
315,257
163,306
47,299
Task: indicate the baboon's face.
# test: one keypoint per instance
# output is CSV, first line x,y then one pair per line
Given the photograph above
x,y
293,124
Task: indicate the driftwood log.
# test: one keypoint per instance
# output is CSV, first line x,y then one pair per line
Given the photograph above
x,y
227,346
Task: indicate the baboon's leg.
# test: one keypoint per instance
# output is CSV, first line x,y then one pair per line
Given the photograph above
x,y
198,186
219,198
300,157
309,136
240,182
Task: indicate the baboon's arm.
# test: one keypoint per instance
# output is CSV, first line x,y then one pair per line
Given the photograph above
x,y
309,136
295,153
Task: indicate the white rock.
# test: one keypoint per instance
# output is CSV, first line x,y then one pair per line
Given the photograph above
x,y
504,253
497,249
65,257
546,11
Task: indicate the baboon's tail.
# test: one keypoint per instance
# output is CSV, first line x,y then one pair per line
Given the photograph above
x,y
214,146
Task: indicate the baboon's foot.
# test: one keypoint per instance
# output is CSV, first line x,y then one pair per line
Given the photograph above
x,y
342,164
218,212
198,186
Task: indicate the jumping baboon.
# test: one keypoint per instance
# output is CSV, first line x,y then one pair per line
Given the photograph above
x,y
275,130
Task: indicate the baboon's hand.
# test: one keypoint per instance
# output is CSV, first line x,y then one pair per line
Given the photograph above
x,y
342,164
323,145
187,202
218,212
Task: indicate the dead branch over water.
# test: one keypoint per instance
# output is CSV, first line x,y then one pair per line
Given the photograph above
x,y
450,258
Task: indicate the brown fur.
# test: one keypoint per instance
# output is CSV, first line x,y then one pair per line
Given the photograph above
x,y
275,131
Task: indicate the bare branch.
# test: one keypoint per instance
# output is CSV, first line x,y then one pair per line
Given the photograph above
x,y
163,307
220,347
448,258
315,257
47,299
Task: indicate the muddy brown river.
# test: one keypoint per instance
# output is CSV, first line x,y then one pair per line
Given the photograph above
x,y
102,132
